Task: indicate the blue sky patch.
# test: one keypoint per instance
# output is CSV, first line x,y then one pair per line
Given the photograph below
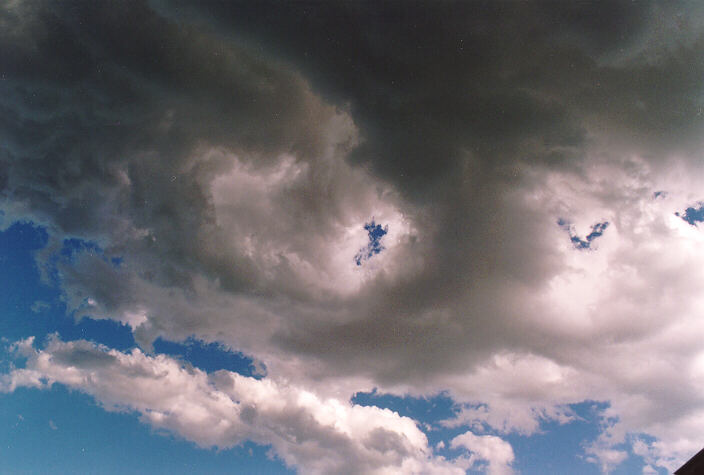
x,y
427,411
31,307
73,246
554,446
693,215
68,425
208,356
76,435
579,243
375,232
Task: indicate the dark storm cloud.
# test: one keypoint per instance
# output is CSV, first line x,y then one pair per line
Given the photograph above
x,y
104,109
455,101
429,84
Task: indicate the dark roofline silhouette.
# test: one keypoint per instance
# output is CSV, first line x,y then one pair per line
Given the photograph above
x,y
695,465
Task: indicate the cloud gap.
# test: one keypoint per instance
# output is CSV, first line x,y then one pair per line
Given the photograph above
x,y
693,215
375,233
209,356
579,243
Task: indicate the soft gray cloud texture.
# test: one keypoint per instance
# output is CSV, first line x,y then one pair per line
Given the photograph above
x,y
232,152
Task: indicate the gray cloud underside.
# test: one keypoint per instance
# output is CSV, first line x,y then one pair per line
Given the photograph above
x,y
225,150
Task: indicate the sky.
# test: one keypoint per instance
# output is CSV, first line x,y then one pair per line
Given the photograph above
x,y
351,237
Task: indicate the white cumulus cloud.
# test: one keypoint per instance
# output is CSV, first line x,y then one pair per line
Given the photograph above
x,y
496,452
224,409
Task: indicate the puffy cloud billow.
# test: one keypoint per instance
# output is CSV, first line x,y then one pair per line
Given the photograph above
x,y
531,165
224,408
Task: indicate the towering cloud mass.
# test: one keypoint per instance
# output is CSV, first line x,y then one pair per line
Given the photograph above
x,y
477,198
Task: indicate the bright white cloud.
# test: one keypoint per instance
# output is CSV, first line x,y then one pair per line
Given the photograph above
x,y
621,320
486,448
300,224
223,409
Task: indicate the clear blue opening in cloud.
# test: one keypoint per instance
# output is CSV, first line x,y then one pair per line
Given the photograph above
x,y
375,232
693,215
208,356
579,243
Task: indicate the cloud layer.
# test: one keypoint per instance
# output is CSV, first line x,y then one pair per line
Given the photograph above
x,y
231,155
223,409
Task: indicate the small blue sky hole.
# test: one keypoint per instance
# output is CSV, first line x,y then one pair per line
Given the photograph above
x,y
579,243
375,232
208,357
693,215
